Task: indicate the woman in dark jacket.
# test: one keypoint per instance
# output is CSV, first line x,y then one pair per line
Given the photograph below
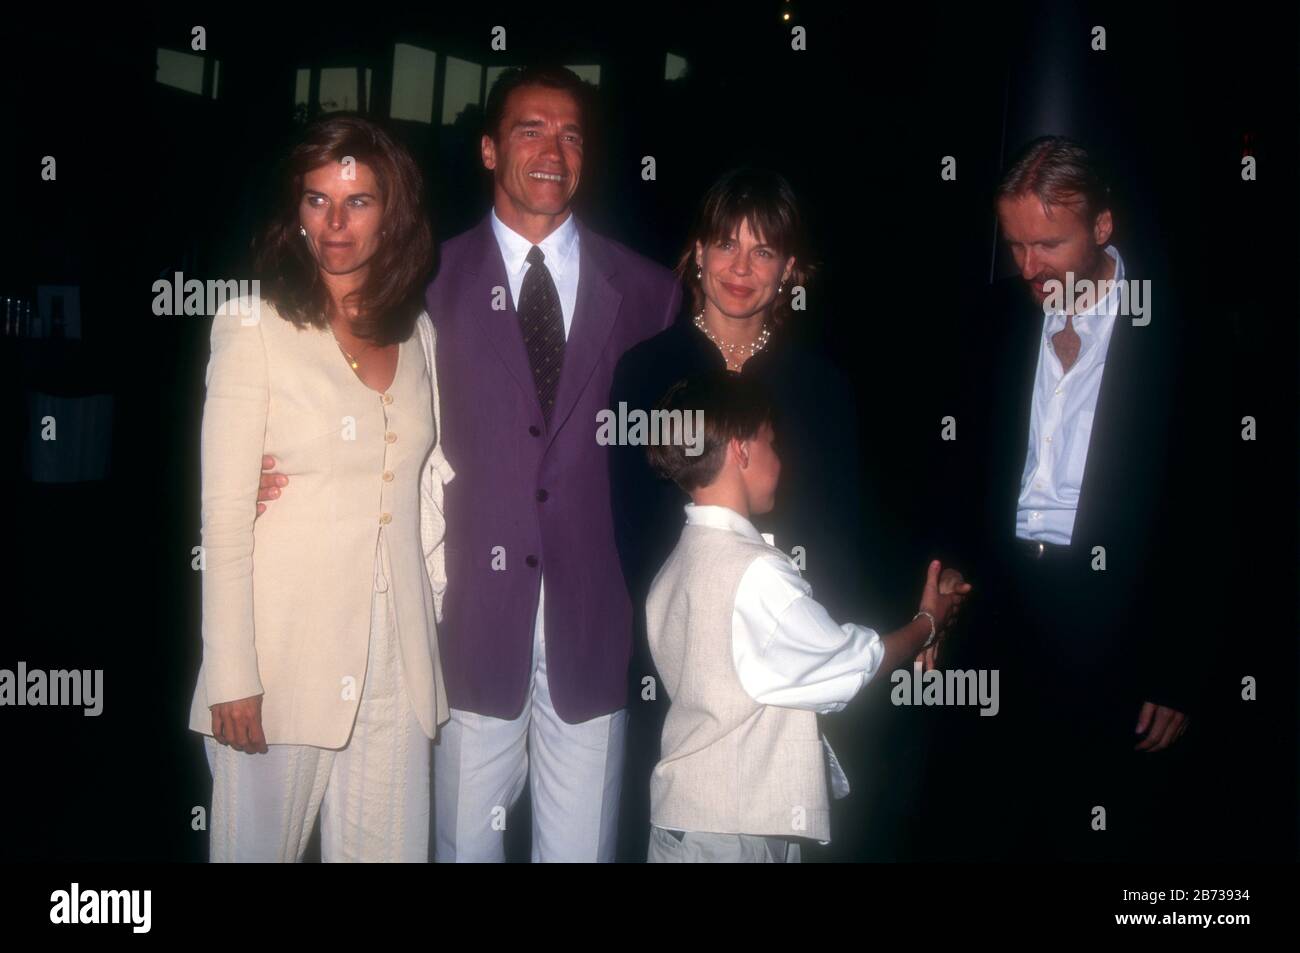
x,y
745,265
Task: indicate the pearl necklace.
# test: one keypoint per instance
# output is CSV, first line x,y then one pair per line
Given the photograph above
x,y
730,351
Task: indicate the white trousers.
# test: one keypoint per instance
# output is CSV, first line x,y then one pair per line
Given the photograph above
x,y
372,795
574,774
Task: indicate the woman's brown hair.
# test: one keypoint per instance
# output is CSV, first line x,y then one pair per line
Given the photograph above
x,y
392,296
763,199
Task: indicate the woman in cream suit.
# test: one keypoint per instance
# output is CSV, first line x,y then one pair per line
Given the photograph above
x,y
320,689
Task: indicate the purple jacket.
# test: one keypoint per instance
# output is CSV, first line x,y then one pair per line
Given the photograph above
x,y
539,499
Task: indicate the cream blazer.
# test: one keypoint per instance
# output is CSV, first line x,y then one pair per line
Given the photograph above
x,y
287,596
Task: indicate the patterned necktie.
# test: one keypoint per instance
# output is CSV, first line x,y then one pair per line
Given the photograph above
x,y
1066,343
542,324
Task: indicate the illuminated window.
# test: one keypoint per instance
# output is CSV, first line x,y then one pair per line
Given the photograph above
x,y
493,74
185,71
338,89
302,91
675,66
590,73
462,84
413,73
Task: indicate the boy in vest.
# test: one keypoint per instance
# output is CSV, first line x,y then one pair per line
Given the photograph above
x,y
747,656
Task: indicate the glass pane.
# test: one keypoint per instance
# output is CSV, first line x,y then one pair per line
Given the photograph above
x,y
492,73
590,73
338,89
181,70
462,81
674,66
301,89
413,72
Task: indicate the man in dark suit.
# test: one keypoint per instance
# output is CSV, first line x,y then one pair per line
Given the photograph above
x,y
1072,508
532,311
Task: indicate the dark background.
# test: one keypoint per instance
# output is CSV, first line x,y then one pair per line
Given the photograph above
x,y
154,179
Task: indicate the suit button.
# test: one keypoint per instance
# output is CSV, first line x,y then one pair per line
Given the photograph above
x,y
390,437
534,430
542,496
388,476
386,518
531,561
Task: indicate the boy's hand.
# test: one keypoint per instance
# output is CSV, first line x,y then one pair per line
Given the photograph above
x,y
269,487
944,592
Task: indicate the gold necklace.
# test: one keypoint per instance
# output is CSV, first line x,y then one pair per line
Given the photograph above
x,y
351,360
731,350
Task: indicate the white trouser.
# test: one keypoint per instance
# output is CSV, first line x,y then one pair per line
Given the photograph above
x,y
574,774
372,794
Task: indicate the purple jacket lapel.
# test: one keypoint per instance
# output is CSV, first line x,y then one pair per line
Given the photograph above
x,y
483,260
593,316
593,321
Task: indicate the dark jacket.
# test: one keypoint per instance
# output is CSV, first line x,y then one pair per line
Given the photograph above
x,y
819,504
1150,498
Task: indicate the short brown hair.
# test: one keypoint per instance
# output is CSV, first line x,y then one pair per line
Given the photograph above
x,y
734,408
1059,171
547,75
763,199
392,296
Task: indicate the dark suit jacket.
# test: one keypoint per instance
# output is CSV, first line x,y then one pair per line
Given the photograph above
x,y
538,497
819,502
1147,497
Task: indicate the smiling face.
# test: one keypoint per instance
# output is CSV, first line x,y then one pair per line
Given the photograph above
x,y
343,217
536,155
741,274
1048,243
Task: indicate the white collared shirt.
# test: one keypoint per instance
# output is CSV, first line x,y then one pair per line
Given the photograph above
x,y
786,648
563,256
1060,420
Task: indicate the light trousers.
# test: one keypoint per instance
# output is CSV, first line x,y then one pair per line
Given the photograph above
x,y
372,795
574,773
695,847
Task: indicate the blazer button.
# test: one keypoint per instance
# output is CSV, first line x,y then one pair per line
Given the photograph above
x,y
534,430
531,561
386,518
542,496
390,437
388,476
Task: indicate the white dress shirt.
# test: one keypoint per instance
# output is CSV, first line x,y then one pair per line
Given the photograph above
x,y
786,648
1060,420
563,256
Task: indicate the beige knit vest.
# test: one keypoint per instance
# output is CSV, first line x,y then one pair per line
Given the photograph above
x,y
728,764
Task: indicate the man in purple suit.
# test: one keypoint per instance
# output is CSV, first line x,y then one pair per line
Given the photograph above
x,y
533,311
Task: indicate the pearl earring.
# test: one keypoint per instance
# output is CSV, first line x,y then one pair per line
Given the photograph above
x,y
699,272
780,287
302,231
